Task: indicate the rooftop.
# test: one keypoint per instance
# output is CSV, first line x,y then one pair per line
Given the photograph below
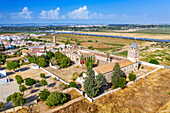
x,y
109,67
134,45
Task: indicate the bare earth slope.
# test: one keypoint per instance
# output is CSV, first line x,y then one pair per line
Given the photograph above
x,y
141,97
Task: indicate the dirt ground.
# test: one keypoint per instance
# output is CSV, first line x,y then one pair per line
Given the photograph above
x,y
66,73
32,92
139,35
141,97
41,107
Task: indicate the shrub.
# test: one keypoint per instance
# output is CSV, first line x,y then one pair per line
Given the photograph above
x,y
43,82
132,77
72,84
89,40
81,74
56,98
154,61
75,75
142,67
62,86
90,47
30,82
122,83
42,75
19,79
44,94
54,78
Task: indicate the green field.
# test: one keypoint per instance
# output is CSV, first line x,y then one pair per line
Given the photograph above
x,y
154,31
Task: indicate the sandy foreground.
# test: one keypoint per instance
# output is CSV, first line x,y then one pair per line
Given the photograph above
x,y
139,35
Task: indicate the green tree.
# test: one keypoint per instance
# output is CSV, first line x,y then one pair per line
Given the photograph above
x,y
58,55
32,59
2,105
65,62
29,82
116,75
19,79
121,83
22,88
43,82
56,98
92,86
44,94
89,62
41,62
99,80
72,84
42,75
45,48
16,98
154,61
75,75
132,77
12,65
2,47
2,58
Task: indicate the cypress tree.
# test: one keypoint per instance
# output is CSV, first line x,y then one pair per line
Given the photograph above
x,y
116,75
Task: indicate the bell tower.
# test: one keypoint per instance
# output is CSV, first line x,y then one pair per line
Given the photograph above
x,y
133,52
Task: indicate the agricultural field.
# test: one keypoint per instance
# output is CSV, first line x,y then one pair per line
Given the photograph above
x,y
103,44
142,97
157,33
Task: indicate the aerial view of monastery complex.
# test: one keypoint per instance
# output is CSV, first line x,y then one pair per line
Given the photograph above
x,y
72,58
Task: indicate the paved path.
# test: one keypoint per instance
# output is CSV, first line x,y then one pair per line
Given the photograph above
x,y
65,105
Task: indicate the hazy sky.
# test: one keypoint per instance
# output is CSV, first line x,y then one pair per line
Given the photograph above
x,y
85,11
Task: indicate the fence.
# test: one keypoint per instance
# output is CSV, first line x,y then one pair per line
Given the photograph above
x,y
149,64
111,91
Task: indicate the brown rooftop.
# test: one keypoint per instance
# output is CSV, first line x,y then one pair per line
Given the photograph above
x,y
87,54
111,57
109,67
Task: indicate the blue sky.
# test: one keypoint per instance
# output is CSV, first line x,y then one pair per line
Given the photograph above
x,y
85,11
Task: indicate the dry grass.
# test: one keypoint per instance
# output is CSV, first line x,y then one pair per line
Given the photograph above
x,y
138,98
139,35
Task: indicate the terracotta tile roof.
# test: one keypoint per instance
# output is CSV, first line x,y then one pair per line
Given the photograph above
x,y
87,54
109,67
111,57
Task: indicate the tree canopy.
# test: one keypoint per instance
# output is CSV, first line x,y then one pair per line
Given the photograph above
x,y
2,105
19,79
89,62
65,62
57,98
30,82
22,88
44,94
12,65
91,85
16,98
116,75
2,58
43,82
132,77
41,62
